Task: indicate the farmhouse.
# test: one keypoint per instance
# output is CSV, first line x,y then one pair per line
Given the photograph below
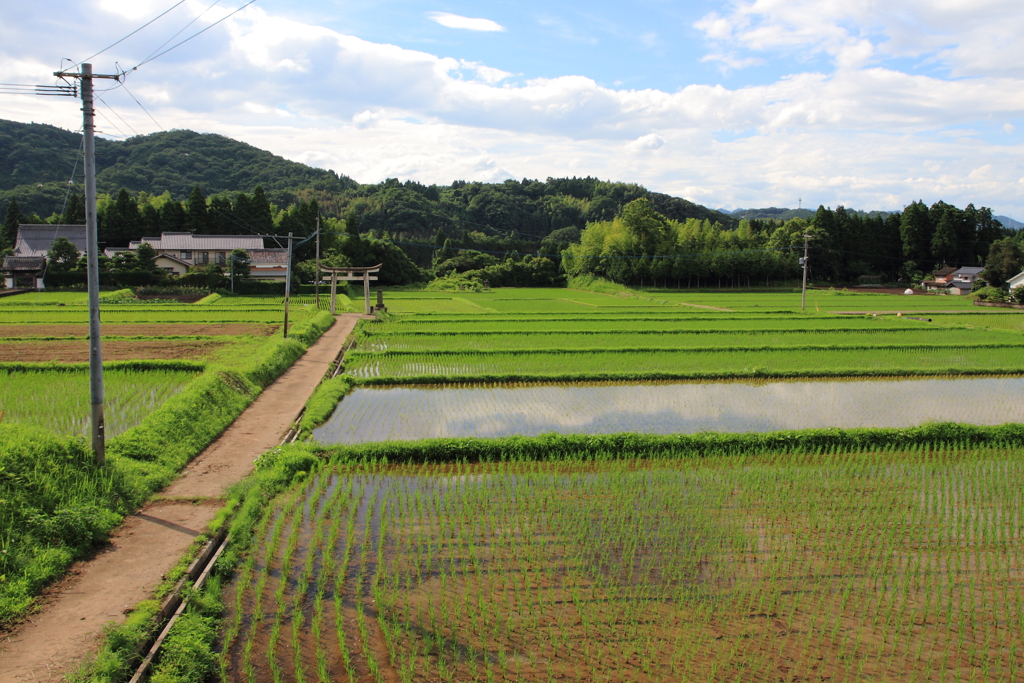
x,y
953,280
26,267
940,280
1016,281
177,252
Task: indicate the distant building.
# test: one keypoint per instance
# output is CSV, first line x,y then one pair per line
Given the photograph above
x,y
26,267
953,280
177,252
1016,281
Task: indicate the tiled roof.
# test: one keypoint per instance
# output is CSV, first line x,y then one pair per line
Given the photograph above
x,y
968,270
36,240
186,241
24,263
272,256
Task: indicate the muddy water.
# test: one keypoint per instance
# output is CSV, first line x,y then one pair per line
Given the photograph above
x,y
403,413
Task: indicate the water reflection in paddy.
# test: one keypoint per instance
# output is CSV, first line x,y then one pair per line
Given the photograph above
x,y
388,413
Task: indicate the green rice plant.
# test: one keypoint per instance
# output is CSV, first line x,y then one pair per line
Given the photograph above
x,y
58,400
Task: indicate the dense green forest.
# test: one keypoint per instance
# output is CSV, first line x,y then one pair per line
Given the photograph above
x,y
641,246
509,233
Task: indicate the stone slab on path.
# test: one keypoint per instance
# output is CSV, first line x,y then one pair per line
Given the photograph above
x,y
149,543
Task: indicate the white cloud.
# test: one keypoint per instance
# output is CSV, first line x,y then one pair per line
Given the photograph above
x,y
864,132
646,143
468,23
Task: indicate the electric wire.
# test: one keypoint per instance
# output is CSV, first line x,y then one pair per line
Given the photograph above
x,y
180,2
125,86
179,32
150,59
114,112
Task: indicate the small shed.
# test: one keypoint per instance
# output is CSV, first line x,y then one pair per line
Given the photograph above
x,y
1016,281
958,287
24,272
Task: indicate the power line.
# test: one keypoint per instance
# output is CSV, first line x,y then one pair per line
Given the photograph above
x,y
132,33
114,112
100,112
180,31
150,59
123,85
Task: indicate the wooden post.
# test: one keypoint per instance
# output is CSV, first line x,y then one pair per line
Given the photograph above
x,y
334,291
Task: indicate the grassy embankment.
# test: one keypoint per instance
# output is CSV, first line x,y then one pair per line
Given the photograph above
x,y
56,504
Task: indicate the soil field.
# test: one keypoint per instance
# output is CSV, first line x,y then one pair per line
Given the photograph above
x,y
77,351
858,566
139,330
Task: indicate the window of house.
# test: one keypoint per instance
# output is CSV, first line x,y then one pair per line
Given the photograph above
x,y
221,258
204,257
186,255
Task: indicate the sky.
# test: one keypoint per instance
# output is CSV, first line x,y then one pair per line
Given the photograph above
x,y
732,104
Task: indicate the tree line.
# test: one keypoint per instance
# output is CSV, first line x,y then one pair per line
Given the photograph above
x,y
641,246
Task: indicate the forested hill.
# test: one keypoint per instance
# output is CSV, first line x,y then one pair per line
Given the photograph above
x,y
36,161
176,161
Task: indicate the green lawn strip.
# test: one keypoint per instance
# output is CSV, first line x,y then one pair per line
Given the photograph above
x,y
141,365
56,504
695,375
908,360
361,355
746,329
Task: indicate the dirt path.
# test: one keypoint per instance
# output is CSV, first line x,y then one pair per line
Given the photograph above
x,y
150,542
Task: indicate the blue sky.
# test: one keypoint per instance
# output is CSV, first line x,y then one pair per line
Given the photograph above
x,y
731,104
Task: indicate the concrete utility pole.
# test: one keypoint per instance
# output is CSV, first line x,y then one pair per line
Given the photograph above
x,y
92,256
287,285
803,262
316,281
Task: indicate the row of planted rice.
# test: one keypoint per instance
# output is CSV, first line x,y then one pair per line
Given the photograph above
x,y
543,563
854,566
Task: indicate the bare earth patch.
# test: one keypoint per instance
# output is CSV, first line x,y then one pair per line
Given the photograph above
x,y
77,351
140,330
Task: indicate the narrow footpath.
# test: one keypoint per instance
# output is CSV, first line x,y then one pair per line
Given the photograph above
x,y
149,543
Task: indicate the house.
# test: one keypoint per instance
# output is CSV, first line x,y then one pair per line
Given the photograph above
x,y
177,252
26,267
967,274
957,287
940,280
1016,281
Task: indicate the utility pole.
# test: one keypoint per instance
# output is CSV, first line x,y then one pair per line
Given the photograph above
x,y
92,257
316,280
803,262
287,285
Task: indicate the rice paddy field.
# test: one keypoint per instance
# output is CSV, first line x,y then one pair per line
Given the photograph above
x,y
529,409
849,563
58,400
565,335
823,566
44,342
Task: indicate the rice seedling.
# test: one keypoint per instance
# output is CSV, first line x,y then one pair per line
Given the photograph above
x,y
852,565
58,400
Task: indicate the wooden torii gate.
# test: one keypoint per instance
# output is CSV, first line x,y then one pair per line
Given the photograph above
x,y
353,274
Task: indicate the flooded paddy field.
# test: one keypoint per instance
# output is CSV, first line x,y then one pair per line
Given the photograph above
x,y
862,566
405,412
